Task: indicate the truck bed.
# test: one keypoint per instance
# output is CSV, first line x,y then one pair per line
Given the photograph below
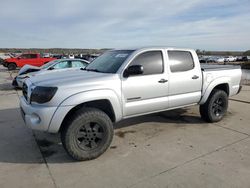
x,y
213,67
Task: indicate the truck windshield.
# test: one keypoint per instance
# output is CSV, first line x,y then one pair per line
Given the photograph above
x,y
109,62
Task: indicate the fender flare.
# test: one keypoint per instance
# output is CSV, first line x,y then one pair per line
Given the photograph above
x,y
212,85
79,98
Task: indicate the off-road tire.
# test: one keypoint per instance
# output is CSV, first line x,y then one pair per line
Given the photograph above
x,y
209,111
12,66
75,126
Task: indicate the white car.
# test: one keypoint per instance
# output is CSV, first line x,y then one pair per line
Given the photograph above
x,y
229,59
220,60
5,56
54,66
71,56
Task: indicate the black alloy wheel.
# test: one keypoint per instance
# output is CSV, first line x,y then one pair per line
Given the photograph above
x,y
218,107
90,136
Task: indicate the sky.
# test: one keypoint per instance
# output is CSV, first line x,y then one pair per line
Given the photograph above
x,y
198,24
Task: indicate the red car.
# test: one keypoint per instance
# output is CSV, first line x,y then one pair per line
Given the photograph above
x,y
24,59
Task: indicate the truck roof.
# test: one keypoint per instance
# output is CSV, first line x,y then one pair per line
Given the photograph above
x,y
154,47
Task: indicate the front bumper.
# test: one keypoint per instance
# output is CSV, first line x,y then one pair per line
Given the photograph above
x,y
36,117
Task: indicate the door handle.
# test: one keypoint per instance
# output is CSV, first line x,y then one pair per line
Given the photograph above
x,y
162,80
195,77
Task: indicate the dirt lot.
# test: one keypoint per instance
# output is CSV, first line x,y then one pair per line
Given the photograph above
x,y
171,149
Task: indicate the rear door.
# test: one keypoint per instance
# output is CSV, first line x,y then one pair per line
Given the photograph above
x,y
147,92
185,79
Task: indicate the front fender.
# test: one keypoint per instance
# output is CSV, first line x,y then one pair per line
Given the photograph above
x,y
207,91
80,98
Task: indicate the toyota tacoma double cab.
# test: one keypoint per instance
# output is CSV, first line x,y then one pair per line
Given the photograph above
x,y
83,105
26,59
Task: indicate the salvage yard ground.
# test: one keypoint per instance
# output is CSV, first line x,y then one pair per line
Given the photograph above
x,y
170,149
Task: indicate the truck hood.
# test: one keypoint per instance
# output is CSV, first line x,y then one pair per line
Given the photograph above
x,y
70,78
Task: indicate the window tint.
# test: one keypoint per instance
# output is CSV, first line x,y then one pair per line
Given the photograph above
x,y
62,65
33,56
79,64
180,61
151,61
28,56
25,56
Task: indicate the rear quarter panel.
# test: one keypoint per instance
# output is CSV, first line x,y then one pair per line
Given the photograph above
x,y
213,78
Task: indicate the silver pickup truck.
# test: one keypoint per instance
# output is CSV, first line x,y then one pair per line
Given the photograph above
x,y
83,105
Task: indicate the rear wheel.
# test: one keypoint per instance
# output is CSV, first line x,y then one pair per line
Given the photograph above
x,y
87,134
215,107
12,66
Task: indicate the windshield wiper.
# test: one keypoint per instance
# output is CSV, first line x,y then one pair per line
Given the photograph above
x,y
93,70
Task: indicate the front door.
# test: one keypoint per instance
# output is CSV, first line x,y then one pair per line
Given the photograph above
x,y
146,92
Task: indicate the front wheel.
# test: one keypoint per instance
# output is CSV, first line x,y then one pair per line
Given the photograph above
x,y
87,134
215,107
12,66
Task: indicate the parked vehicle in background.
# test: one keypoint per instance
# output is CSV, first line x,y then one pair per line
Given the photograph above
x,y
242,58
93,57
229,59
4,56
211,59
71,56
203,59
88,57
220,60
25,59
46,55
83,105
57,56
54,66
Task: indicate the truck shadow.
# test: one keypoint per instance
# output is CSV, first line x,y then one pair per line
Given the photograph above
x,y
179,117
18,144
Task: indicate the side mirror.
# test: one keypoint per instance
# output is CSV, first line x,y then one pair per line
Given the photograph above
x,y
133,70
51,68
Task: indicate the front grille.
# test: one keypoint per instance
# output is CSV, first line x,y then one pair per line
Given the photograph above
x,y
25,91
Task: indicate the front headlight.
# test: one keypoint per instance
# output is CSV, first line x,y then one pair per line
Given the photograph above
x,y
41,94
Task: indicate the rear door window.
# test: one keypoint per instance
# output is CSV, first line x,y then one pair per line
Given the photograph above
x,y
180,61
